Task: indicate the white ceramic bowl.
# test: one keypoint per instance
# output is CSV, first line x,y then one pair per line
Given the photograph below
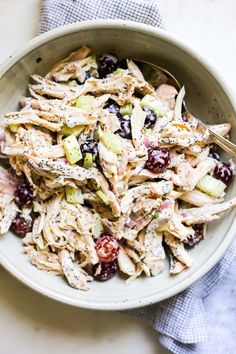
x,y
207,96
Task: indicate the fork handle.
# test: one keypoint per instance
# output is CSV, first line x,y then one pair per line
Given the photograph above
x,y
225,144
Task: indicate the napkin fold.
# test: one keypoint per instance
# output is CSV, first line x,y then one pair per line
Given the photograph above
x,y
201,319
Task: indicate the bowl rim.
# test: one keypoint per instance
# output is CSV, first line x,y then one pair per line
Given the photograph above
x,y
156,32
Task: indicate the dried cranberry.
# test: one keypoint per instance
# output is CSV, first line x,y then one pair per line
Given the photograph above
x,y
24,195
196,237
158,160
108,270
150,119
90,146
125,129
113,107
20,226
224,172
107,248
107,63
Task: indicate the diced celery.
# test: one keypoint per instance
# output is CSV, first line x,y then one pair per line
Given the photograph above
x,y
74,195
126,110
212,186
97,227
120,71
154,104
72,83
65,130
84,102
43,250
14,127
112,142
72,149
88,160
103,197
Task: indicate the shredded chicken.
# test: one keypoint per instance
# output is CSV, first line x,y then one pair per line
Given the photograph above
x,y
75,275
167,93
178,249
99,192
198,198
74,58
176,266
45,261
205,214
8,208
125,263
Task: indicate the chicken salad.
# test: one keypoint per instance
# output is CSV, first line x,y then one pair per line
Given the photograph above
x,y
108,173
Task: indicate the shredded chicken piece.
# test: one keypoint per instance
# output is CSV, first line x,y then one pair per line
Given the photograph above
x,y
60,167
125,263
120,85
45,261
137,124
62,66
134,70
198,198
178,104
178,249
32,142
152,188
201,156
53,89
167,93
8,208
57,113
154,259
176,228
73,69
205,214
176,266
164,216
31,117
75,275
188,177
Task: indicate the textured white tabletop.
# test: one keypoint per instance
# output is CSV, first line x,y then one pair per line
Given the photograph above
x,y
33,324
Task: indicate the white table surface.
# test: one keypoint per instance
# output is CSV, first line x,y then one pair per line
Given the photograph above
x,y
33,324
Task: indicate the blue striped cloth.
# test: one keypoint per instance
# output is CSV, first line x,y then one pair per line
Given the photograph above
x,y
55,13
201,319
